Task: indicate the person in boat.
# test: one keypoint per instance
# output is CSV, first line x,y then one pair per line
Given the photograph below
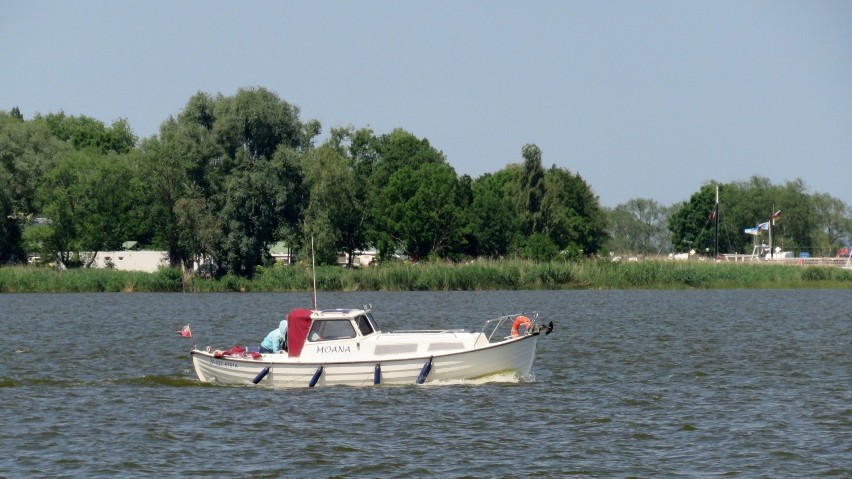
x,y
276,340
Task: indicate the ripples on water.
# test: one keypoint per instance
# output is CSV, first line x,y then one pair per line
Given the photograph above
x,y
641,384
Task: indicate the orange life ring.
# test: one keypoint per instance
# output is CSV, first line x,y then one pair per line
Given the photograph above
x,y
516,326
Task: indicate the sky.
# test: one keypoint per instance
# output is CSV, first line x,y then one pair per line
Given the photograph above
x,y
644,99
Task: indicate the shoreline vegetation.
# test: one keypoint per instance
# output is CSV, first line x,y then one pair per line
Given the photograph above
x,y
475,276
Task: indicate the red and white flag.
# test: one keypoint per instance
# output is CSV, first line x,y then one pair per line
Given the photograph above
x,y
185,332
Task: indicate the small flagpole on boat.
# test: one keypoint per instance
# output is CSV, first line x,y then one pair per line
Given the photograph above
x,y
314,271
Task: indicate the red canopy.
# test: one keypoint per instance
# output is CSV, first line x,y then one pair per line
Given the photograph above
x,y
298,324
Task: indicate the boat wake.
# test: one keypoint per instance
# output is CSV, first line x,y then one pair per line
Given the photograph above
x,y
159,380
510,377
156,380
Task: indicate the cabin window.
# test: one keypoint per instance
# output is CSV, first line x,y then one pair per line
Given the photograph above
x,y
364,325
325,330
445,346
395,348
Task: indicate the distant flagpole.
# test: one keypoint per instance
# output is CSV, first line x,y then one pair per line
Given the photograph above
x,y
772,219
716,220
771,224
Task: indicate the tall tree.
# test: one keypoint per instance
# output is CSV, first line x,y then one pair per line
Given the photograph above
x,y
400,149
198,229
794,231
570,214
833,218
11,249
746,204
257,121
336,209
86,133
27,151
249,217
229,163
384,158
559,205
641,226
532,187
90,200
692,225
179,165
493,219
254,198
423,210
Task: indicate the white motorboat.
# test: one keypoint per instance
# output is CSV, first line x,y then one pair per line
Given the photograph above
x,y
347,347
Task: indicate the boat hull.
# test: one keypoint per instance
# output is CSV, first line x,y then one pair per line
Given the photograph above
x,y
515,355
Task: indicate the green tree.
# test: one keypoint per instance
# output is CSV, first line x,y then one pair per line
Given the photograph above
x,y
379,159
229,164
833,218
27,150
362,146
539,247
640,226
336,211
198,228
259,134
255,204
11,249
258,122
795,229
570,213
692,226
85,133
621,225
94,193
423,210
532,187
363,150
493,218
176,165
400,149
90,201
746,204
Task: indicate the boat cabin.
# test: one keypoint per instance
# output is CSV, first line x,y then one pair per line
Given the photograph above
x,y
327,325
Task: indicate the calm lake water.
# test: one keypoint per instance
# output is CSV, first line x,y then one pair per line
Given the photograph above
x,y
630,384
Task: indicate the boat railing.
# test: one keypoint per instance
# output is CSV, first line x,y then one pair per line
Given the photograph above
x,y
426,331
492,326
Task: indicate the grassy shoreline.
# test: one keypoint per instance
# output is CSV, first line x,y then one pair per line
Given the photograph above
x,y
475,276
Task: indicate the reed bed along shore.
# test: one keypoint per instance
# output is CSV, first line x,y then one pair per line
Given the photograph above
x,y
473,276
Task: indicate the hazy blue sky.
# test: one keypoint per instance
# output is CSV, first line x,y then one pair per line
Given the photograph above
x,y
644,99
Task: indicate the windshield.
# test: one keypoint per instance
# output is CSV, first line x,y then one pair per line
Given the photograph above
x,y
325,330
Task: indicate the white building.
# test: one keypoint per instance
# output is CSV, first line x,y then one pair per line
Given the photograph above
x,y
128,260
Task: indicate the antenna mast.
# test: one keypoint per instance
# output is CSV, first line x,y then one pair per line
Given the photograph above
x,y
314,271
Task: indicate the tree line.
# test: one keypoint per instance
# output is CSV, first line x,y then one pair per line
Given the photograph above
x,y
230,175
816,223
